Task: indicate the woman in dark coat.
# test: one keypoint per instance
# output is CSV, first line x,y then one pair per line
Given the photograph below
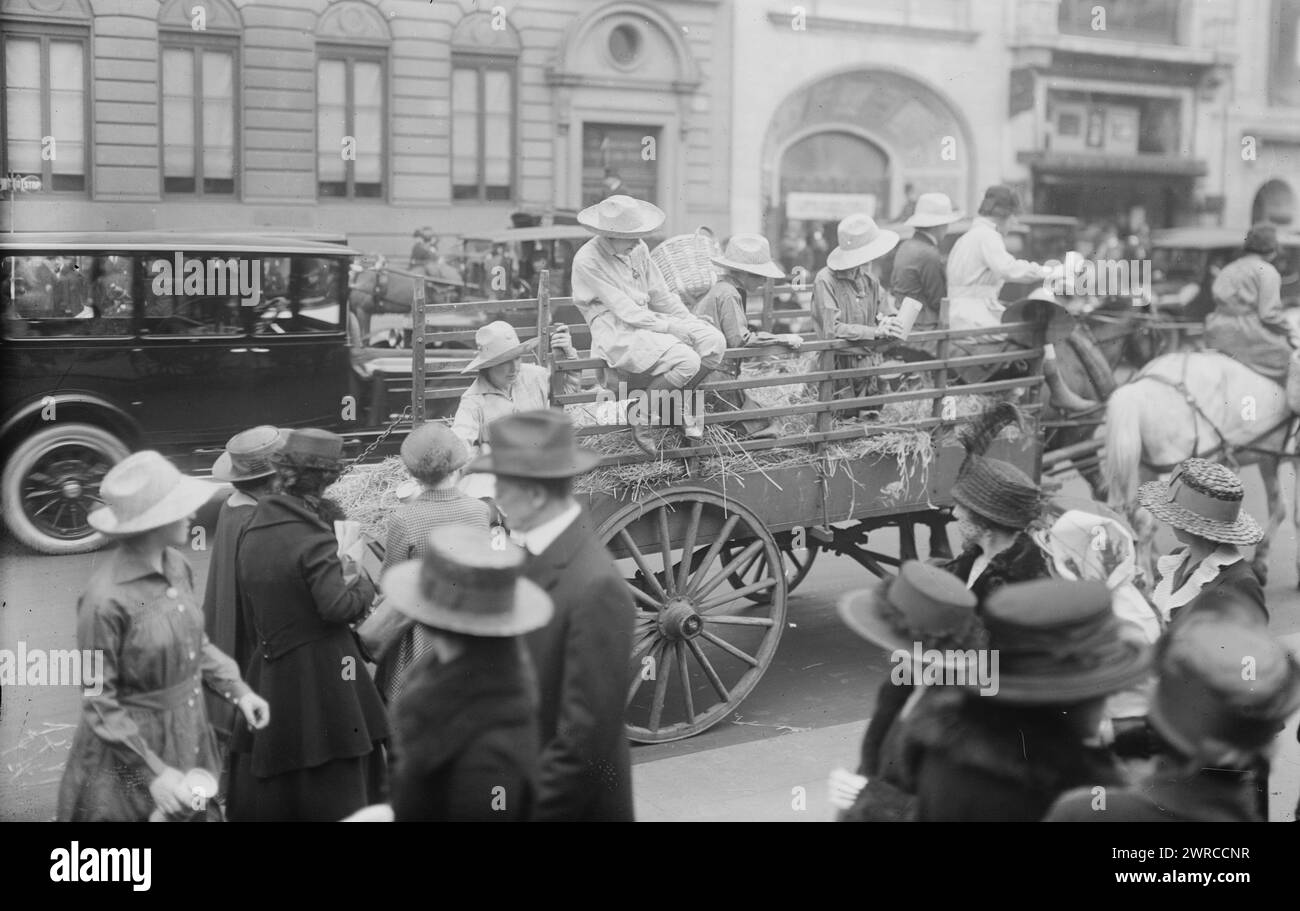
x,y
1007,755
465,730
144,742
325,758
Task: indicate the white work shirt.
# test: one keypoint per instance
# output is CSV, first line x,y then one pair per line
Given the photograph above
x,y
978,266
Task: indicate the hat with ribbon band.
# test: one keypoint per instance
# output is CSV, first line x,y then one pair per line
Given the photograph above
x,y
534,444
922,604
1203,498
248,454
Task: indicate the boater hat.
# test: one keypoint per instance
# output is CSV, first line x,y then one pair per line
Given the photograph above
x,y
1204,498
1061,642
310,447
468,583
622,216
497,343
921,604
1205,701
860,241
248,454
144,491
932,209
534,444
749,253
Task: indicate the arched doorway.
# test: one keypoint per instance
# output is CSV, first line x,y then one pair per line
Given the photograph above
x,y
824,177
1274,202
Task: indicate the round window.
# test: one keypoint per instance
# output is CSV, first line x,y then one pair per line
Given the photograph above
x,y
624,45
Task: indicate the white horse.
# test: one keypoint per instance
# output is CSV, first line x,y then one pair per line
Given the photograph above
x,y
1176,407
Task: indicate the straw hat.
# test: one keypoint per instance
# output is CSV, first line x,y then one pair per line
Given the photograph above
x,y
1041,306
1060,642
144,491
1204,498
921,604
310,448
860,241
497,343
248,454
467,583
992,488
932,209
749,253
622,216
1203,702
534,444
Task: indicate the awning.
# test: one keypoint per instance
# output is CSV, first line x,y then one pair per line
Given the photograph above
x,y
1088,163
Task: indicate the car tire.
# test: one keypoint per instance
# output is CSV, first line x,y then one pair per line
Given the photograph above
x,y
86,445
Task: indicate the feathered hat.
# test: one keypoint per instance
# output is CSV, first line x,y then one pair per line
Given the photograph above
x,y
994,489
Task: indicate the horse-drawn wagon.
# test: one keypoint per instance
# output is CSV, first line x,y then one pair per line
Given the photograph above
x,y
713,538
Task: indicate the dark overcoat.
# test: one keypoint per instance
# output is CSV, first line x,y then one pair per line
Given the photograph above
x,y
1023,561
1168,794
465,737
221,616
582,662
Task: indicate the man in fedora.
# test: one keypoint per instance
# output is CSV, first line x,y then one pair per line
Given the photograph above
x,y
923,608
465,740
1216,729
1008,755
639,327
745,265
581,656
918,271
245,465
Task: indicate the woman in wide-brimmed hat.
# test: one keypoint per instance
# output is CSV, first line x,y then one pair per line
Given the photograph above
x,y
921,609
505,384
1201,502
1217,728
144,723
997,505
465,726
744,266
1007,753
434,456
325,757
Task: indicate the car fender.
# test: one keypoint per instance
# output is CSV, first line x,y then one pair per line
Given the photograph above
x,y
69,407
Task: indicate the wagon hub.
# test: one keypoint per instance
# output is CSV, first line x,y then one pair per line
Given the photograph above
x,y
71,488
678,620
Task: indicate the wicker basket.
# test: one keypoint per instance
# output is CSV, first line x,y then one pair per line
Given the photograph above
x,y
684,262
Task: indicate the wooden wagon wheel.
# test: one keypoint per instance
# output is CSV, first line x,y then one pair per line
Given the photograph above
x,y
796,567
699,646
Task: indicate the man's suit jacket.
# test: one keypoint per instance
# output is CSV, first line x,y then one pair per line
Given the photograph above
x,y
582,663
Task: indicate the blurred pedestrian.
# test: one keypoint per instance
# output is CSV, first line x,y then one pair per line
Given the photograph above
x,y
920,609
918,271
1217,727
1008,755
245,465
424,249
1248,323
1207,573
434,456
910,201
324,759
144,723
465,725
581,656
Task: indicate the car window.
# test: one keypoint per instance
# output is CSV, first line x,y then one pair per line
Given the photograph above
x,y
66,296
199,295
313,297
1178,264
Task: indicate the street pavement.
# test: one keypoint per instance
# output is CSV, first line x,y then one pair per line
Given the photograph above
x,y
803,719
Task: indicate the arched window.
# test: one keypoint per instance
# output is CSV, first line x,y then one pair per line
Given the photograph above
x,y
46,110
485,55
200,97
352,42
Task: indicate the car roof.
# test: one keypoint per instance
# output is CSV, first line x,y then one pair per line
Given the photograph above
x,y
536,233
1209,238
171,242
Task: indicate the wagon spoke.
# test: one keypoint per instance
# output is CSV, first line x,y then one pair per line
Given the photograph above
x,y
685,673
714,549
666,550
644,598
662,675
730,649
736,620
709,672
639,559
637,679
746,557
688,545
735,594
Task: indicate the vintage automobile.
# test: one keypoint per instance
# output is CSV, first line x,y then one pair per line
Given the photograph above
x,y
1185,261
118,341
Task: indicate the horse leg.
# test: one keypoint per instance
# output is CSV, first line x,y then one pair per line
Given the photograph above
x,y
1270,469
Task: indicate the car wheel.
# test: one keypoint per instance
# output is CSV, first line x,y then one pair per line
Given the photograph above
x,y
51,484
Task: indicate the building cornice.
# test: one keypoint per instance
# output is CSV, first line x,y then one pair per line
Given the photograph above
x,y
864,26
